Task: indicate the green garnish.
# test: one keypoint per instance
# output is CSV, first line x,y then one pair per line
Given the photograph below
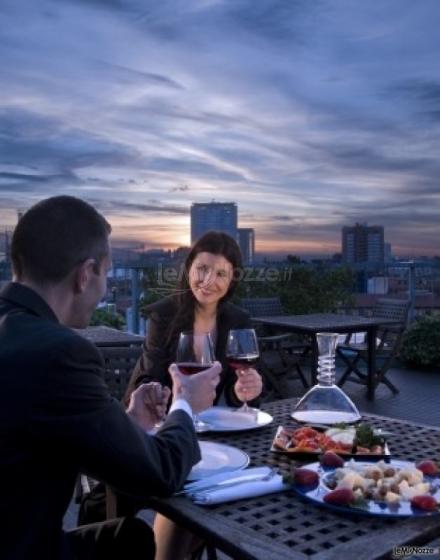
x,y
365,436
341,426
361,503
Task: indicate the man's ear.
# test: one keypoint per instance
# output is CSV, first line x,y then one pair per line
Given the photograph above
x,y
82,275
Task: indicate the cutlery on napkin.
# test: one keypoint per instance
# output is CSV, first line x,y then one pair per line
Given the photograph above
x,y
232,486
229,478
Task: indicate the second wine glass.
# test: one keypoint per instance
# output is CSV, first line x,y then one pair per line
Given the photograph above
x,y
242,353
195,353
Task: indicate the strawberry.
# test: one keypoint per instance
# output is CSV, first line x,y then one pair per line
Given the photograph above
x,y
340,497
428,467
305,477
330,459
425,502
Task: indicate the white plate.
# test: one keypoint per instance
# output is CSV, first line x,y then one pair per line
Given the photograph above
x,y
218,458
225,419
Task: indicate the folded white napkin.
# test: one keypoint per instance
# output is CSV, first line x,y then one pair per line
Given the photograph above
x,y
247,483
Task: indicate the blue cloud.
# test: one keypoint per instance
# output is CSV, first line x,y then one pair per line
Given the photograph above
x,y
295,109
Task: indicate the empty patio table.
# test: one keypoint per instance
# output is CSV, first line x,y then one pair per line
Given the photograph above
x,y
314,323
284,526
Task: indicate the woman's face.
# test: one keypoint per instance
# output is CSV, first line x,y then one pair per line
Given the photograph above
x,y
210,277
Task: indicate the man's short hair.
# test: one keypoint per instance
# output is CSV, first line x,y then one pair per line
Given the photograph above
x,y
56,235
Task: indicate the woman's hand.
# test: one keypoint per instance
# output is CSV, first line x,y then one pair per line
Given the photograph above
x,y
148,404
248,385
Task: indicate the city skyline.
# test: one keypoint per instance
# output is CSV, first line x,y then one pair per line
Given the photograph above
x,y
310,116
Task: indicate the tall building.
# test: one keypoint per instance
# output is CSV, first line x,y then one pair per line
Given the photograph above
x,y
246,242
363,244
218,216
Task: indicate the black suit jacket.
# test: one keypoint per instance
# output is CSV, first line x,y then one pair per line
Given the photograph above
x,y
159,352
57,418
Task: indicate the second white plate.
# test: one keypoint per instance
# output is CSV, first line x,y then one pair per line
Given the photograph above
x,y
218,458
225,419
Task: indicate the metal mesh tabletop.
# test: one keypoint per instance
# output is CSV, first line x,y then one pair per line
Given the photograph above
x,y
283,525
315,322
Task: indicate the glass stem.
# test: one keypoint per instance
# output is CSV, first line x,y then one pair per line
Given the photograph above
x,y
244,407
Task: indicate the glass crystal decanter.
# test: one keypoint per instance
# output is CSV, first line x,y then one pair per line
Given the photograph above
x,y
325,402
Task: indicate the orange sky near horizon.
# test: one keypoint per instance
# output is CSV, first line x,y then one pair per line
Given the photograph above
x,y
175,232
171,233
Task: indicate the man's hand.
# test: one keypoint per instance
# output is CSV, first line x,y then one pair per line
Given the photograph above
x,y
148,404
197,389
248,385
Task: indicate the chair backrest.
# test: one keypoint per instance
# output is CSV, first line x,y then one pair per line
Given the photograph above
x,y
119,363
391,336
394,309
262,307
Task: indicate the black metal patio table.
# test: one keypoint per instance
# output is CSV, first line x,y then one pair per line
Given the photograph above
x,y
314,323
284,526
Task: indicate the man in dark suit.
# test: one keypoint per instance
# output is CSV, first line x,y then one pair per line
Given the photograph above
x,y
57,417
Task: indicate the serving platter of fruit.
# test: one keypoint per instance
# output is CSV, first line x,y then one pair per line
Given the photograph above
x,y
392,489
361,441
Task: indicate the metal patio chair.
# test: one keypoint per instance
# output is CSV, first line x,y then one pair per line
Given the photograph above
x,y
280,353
119,362
388,341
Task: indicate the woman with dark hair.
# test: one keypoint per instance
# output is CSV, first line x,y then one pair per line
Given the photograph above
x,y
201,304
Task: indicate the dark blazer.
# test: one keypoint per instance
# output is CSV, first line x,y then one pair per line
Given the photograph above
x,y
159,352
57,418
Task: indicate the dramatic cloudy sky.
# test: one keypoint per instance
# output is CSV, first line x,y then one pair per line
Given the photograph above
x,y
310,114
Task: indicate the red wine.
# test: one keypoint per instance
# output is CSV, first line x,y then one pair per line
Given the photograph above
x,y
242,362
190,368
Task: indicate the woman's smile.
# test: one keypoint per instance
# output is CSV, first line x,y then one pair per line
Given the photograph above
x,y
210,277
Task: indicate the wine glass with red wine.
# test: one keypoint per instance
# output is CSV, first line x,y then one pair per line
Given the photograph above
x,y
242,353
195,353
